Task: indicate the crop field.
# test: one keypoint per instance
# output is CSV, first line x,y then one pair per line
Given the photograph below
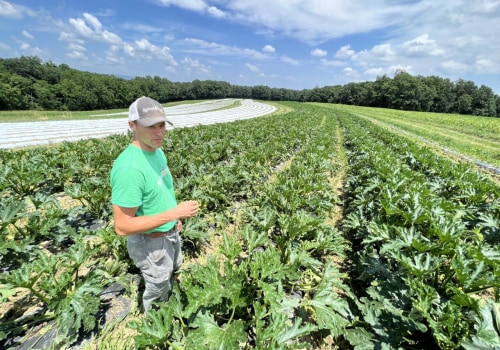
x,y
475,137
23,134
319,228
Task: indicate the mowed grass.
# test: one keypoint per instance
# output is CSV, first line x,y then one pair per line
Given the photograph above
x,y
473,136
39,116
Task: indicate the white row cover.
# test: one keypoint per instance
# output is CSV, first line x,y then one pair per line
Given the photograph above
x,y
16,135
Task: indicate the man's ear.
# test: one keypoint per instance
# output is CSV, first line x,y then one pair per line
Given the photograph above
x,y
131,125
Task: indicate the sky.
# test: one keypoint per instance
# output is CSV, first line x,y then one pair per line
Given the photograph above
x,y
292,44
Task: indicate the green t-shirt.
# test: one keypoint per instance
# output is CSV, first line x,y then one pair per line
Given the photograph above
x,y
142,179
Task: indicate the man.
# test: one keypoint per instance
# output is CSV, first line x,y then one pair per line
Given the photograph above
x,y
145,208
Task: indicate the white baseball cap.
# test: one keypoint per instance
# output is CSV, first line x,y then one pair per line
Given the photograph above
x,y
147,112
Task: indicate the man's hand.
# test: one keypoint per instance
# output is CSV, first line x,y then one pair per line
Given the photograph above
x,y
187,209
178,226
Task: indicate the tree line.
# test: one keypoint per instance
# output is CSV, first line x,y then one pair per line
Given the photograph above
x,y
28,83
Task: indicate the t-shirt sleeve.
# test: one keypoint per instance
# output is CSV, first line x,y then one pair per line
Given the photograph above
x,y
127,187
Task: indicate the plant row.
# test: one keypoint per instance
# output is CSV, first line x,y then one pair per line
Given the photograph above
x,y
274,281
63,265
425,233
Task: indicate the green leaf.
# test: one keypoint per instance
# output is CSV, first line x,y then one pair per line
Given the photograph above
x,y
157,328
5,293
295,331
230,247
487,336
267,266
210,335
253,238
10,211
203,286
360,338
332,312
79,308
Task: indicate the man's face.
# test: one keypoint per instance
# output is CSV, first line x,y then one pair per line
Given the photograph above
x,y
149,137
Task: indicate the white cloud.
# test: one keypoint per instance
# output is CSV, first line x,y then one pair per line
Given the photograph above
x,y
66,36
127,48
350,72
252,67
76,47
268,49
422,46
93,21
114,57
454,66
141,28
194,65
383,51
215,12
452,36
9,10
398,67
194,5
26,49
27,35
345,52
316,21
487,66
319,53
144,45
374,72
90,28
24,46
78,55
333,63
290,61
211,48
144,49
486,7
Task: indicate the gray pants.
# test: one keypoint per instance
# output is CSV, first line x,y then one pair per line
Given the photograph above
x,y
157,258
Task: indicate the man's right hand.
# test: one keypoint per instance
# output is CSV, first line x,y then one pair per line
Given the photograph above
x,y
187,209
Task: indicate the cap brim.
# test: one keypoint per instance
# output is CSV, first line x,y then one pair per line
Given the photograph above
x,y
152,121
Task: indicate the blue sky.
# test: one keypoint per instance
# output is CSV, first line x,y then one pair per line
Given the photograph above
x,y
295,44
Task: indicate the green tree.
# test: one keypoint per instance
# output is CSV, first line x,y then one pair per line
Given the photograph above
x,y
241,91
464,91
333,93
464,104
27,67
497,102
354,94
46,95
443,95
407,92
261,92
210,89
79,90
484,102
382,92
317,95
15,91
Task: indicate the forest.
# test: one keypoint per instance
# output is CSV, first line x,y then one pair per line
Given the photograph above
x,y
28,83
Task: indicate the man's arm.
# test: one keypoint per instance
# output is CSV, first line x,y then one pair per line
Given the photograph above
x,y
127,224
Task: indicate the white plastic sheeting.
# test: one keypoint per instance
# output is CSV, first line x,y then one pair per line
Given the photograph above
x,y
16,135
